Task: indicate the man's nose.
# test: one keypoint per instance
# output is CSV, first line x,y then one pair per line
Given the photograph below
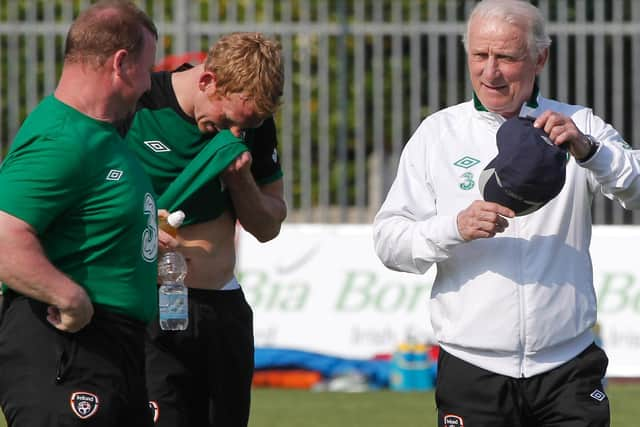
x,y
491,67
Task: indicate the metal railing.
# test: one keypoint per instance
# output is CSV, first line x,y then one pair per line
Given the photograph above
x,y
360,76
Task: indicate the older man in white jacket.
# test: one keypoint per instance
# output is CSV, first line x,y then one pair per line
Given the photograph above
x,y
513,302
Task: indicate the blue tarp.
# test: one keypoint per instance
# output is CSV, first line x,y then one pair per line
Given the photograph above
x,y
376,371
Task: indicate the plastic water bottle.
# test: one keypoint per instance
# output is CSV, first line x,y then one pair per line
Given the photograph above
x,y
173,297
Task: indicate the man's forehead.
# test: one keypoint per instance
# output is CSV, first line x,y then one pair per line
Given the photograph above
x,y
497,35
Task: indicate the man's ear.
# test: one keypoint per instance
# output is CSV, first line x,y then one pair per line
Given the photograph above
x,y
542,60
207,81
118,61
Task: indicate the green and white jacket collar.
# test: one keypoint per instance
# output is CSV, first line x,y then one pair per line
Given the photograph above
x,y
527,108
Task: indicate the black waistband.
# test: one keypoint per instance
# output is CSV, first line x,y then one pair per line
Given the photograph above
x,y
101,313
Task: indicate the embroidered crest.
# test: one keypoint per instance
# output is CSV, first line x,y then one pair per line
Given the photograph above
x,y
453,421
84,404
155,410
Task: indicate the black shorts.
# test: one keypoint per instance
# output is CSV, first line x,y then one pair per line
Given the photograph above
x,y
202,376
94,377
570,395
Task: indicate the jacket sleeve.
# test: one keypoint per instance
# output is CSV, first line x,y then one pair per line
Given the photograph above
x,y
408,233
615,167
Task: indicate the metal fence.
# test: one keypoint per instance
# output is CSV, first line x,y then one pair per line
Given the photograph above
x,y
360,76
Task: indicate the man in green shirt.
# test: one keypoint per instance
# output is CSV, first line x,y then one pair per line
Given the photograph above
x,y
78,237
202,376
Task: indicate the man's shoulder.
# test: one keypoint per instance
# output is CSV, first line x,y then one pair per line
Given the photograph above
x,y
160,94
453,112
451,116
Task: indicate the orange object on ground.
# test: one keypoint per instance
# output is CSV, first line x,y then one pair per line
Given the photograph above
x,y
294,378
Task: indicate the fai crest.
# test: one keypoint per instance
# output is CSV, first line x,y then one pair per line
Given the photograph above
x,y
84,404
155,410
453,421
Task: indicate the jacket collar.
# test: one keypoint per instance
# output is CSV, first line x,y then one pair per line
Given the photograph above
x,y
531,103
527,109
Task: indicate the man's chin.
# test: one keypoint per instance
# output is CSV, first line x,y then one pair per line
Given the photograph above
x,y
499,106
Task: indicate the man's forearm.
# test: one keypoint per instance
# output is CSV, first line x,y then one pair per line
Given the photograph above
x,y
260,210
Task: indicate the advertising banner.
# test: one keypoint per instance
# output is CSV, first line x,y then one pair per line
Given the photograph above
x,y
321,288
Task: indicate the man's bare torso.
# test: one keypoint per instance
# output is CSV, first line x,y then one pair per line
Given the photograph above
x,y
209,249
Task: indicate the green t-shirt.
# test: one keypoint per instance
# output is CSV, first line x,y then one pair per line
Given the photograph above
x,y
168,143
74,181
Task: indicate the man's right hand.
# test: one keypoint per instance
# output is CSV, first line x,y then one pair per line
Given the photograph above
x,y
483,219
74,315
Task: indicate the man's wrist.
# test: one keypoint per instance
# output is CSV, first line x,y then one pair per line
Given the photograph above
x,y
593,148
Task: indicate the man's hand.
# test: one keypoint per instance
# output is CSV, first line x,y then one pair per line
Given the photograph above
x,y
562,130
166,241
239,170
74,315
483,219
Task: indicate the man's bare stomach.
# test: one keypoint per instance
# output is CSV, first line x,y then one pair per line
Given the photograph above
x,y
209,249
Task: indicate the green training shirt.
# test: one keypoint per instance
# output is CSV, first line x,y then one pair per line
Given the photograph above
x,y
74,181
166,141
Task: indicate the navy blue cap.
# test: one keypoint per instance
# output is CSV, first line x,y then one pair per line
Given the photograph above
x,y
528,171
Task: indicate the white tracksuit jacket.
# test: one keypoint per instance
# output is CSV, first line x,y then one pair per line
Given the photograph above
x,y
522,302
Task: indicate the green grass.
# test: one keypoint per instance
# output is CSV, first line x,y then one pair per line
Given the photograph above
x,y
287,408
291,408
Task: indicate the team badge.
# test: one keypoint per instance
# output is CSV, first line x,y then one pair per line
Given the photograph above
x,y
274,156
155,410
453,421
84,404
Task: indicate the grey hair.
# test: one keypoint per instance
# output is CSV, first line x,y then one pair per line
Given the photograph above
x,y
515,12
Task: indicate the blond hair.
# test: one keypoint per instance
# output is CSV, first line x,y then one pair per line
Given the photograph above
x,y
250,64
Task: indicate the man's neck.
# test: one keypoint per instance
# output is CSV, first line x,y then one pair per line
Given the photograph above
x,y
185,83
87,91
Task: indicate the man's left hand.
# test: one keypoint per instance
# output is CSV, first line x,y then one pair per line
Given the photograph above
x,y
562,130
238,170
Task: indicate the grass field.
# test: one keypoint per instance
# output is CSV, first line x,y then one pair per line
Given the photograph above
x,y
288,408
284,408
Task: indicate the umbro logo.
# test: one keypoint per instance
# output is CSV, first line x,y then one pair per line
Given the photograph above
x,y
598,395
466,162
157,146
114,175
274,156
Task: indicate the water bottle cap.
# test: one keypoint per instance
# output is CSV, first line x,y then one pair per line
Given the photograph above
x,y
175,219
